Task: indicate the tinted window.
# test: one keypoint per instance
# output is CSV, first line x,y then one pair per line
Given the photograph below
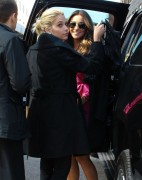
x,y
132,42
136,52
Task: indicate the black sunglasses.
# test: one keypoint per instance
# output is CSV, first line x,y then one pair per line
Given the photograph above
x,y
81,25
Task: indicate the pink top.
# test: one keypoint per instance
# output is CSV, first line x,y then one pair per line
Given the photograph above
x,y
83,90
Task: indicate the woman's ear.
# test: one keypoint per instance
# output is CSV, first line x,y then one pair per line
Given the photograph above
x,y
48,30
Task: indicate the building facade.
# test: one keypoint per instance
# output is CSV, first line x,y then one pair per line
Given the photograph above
x,y
24,10
135,6
126,1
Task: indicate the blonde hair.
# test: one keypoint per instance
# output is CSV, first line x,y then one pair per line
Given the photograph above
x,y
46,20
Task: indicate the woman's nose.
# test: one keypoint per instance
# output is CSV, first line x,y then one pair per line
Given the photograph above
x,y
76,26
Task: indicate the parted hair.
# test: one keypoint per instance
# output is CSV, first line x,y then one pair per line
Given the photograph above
x,y
7,8
46,20
87,40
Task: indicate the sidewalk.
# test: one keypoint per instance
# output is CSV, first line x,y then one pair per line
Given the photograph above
x,y
32,169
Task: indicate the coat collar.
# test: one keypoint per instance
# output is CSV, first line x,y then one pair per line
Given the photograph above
x,y
46,40
5,27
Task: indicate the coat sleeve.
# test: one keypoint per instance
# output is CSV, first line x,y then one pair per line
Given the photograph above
x,y
93,64
17,66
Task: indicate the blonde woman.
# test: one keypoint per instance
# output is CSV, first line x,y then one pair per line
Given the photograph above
x,y
53,109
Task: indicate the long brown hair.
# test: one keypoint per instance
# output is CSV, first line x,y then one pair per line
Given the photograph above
x,y
87,40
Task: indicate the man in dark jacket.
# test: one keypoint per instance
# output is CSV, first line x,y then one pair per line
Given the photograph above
x,y
14,82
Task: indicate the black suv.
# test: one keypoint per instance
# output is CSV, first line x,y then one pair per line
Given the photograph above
x,y
124,119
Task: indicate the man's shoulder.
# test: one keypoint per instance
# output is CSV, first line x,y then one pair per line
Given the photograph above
x,y
6,36
6,30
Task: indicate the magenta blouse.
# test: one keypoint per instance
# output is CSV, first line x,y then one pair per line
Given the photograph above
x,y
83,90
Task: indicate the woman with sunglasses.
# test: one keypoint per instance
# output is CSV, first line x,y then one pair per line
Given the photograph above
x,y
81,37
54,116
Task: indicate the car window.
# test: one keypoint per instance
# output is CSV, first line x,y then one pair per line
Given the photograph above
x,y
131,40
136,53
96,16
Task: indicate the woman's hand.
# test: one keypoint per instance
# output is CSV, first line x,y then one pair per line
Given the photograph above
x,y
84,99
99,31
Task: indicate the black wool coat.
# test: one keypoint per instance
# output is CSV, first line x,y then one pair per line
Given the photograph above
x,y
55,120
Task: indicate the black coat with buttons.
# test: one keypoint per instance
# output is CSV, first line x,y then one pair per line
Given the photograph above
x,y
55,120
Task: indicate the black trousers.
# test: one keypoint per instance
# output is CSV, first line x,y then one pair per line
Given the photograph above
x,y
55,168
11,160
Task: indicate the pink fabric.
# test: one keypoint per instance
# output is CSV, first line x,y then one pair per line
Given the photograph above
x,y
83,90
129,106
